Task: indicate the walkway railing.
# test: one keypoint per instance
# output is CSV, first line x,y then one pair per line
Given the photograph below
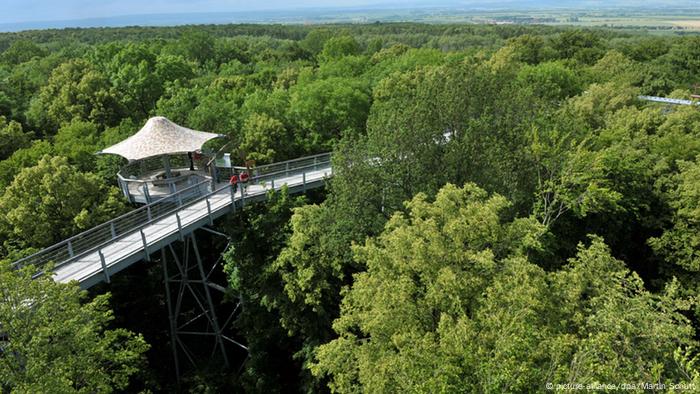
x,y
141,178
667,100
280,168
266,175
73,248
153,164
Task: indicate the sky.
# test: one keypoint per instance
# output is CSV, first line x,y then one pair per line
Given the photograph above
x,y
13,11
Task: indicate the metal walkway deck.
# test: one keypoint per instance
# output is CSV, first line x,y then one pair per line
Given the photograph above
x,y
99,253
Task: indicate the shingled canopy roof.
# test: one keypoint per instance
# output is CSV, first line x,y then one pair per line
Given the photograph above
x,y
158,137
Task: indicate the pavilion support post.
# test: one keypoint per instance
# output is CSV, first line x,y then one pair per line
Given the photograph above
x,y
168,174
166,166
191,158
214,176
146,193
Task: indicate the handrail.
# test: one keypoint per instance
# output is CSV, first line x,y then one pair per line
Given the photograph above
x,y
155,162
154,220
96,238
287,171
268,169
108,223
261,171
668,100
166,180
293,160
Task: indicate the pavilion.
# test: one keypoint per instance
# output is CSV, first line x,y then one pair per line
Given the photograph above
x,y
163,159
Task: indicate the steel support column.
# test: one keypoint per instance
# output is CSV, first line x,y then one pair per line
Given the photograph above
x,y
192,311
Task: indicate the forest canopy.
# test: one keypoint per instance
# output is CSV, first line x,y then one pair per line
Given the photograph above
x,y
505,212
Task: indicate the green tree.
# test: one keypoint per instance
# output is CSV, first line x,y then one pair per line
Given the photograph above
x,y
22,51
680,244
600,100
315,40
338,47
53,340
23,82
217,111
325,110
12,137
78,141
684,59
450,302
312,268
550,81
196,45
346,66
616,67
425,276
530,49
172,68
75,90
264,138
251,277
134,74
570,177
52,200
580,45
608,308
526,49
22,158
177,102
449,124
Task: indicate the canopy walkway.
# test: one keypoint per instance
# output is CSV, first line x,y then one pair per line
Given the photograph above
x,y
666,100
101,252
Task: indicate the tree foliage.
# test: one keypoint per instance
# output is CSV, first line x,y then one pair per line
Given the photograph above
x,y
53,340
12,137
450,302
52,200
487,284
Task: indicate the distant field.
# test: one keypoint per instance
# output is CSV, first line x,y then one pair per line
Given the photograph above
x,y
662,22
670,23
689,24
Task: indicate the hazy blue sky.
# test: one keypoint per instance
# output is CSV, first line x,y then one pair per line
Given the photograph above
x,y
47,10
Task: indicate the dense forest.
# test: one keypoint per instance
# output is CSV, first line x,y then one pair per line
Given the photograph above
x,y
505,212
